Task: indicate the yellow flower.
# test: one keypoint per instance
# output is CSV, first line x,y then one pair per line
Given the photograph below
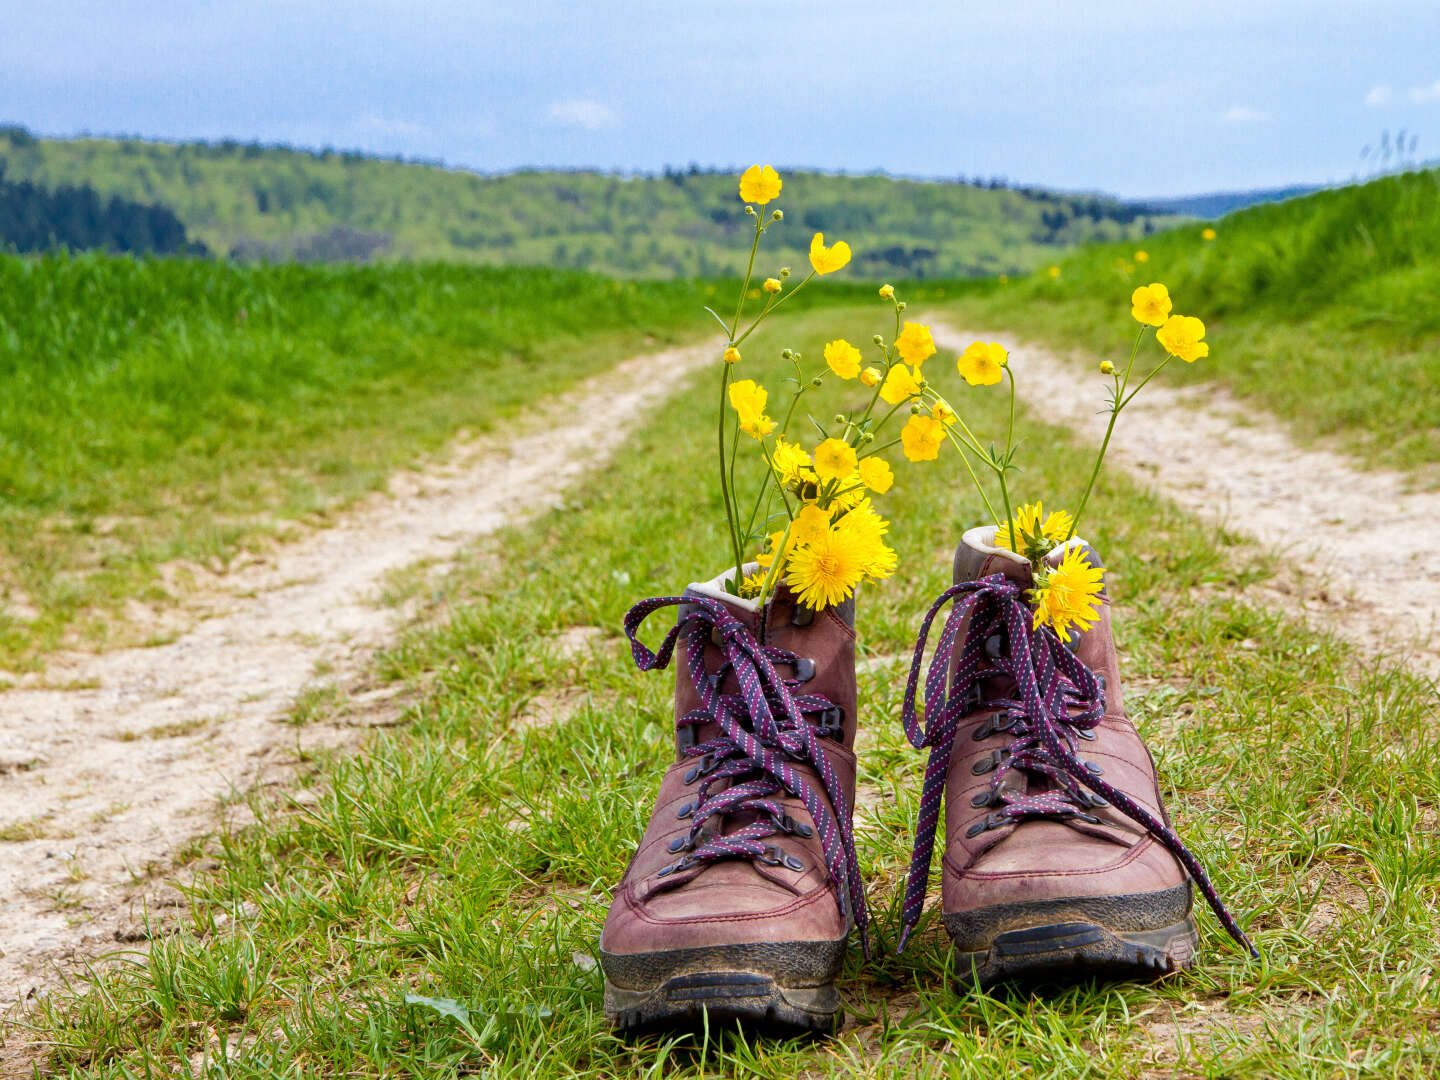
x,y
809,525
771,286
748,401
759,184
789,459
834,459
732,355
1030,523
824,573
942,412
920,438
1069,595
1142,256
877,474
826,260
865,530
1181,335
915,345
1054,271
900,383
753,294
1149,304
1207,233
843,358
981,363
887,292
1107,368
870,376
751,584
1004,279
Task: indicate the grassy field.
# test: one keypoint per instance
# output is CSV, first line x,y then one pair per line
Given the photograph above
x,y
271,201
166,409
1322,310
468,857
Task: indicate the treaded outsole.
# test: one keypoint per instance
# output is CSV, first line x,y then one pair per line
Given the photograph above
x,y
772,988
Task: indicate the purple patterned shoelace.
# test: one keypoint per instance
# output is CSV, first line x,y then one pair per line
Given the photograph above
x,y
1058,699
763,731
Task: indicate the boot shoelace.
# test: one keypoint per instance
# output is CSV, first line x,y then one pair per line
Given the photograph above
x,y
1058,699
763,731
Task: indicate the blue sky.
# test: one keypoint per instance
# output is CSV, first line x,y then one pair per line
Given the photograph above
x,y
1139,99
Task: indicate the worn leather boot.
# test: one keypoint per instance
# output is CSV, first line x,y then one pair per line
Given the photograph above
x,y
1059,860
740,897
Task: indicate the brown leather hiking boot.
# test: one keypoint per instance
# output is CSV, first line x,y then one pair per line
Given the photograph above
x,y
744,888
1059,859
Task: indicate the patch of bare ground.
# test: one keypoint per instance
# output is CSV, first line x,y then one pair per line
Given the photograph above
x,y
1360,543
111,764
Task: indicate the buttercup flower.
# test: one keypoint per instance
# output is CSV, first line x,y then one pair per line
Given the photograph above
x,y
942,412
1181,335
789,460
810,524
732,355
1149,304
982,363
900,384
759,184
1031,522
1069,595
826,260
748,401
887,292
1054,271
870,376
771,285
1142,256
1107,368
843,358
834,459
920,438
1207,233
915,345
877,474
825,572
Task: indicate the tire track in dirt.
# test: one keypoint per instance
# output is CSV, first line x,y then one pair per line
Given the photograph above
x,y
1363,547
102,785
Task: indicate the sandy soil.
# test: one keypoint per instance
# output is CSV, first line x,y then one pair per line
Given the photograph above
x,y
105,779
1361,549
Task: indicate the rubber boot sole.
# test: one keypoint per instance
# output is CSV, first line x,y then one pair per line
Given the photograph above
x,y
1139,936
773,988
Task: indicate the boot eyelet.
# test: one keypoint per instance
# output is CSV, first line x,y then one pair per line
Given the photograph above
x,y
975,830
981,733
1094,768
680,843
664,871
792,863
1088,734
803,831
804,669
691,774
800,615
772,856
981,799
686,810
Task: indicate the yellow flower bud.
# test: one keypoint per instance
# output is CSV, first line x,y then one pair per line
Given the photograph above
x,y
777,215
878,340
901,306
784,272
870,376
887,292
1107,368
772,285
732,355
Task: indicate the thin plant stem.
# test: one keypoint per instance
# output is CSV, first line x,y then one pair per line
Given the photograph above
x,y
1115,408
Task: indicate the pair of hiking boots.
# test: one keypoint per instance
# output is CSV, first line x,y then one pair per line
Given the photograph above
x,y
1058,860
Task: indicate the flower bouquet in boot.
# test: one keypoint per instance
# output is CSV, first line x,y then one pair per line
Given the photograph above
x,y
1059,860
739,900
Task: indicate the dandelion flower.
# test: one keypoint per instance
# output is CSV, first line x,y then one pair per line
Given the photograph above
x,y
920,438
900,384
826,260
834,459
870,376
982,362
843,358
824,573
1030,523
1069,595
751,584
1150,304
915,345
1181,335
865,529
877,474
760,184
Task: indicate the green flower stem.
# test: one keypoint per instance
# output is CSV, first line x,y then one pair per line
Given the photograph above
x,y
731,511
1155,371
1115,408
876,449
771,308
1009,448
745,285
965,460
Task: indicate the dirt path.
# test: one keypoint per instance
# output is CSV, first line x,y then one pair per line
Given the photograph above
x,y
102,784
1229,463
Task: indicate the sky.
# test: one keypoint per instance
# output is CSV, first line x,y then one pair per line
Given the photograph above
x,y
1135,99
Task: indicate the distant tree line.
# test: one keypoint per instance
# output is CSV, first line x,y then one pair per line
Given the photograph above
x,y
79,219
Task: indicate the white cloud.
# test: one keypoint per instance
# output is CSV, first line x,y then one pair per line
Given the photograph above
x,y
1422,95
584,114
1379,95
1244,114
376,124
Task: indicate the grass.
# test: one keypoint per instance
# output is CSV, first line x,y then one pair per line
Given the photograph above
x,y
175,409
466,859
1321,310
